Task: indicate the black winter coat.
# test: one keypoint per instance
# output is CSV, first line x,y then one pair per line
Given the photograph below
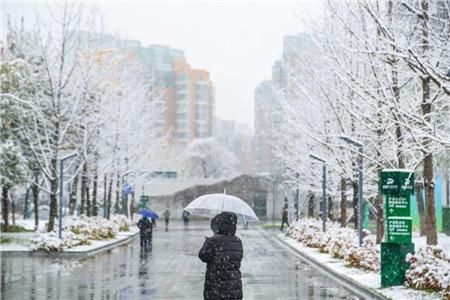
x,y
223,254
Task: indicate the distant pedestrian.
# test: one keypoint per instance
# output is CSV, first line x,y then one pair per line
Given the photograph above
x,y
284,218
145,230
185,218
223,255
166,215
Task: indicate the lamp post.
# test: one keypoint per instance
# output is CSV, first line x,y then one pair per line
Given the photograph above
x,y
360,147
324,190
61,190
274,195
297,196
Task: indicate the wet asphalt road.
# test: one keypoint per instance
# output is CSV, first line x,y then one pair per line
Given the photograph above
x,y
170,269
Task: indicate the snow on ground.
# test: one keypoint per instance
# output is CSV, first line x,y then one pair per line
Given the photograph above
x,y
305,236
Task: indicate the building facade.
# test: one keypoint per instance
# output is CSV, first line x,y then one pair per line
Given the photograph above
x,y
267,107
188,94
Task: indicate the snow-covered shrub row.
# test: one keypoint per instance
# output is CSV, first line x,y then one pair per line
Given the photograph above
x,y
122,221
51,243
80,230
339,242
95,228
429,270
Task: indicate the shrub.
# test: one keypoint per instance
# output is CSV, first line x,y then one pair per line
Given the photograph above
x,y
339,242
429,270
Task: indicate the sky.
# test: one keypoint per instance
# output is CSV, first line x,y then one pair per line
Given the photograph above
x,y
236,41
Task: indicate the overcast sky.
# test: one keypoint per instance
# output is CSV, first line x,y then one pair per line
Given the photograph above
x,y
236,41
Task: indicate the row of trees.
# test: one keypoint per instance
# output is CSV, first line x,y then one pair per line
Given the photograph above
x,y
66,87
377,71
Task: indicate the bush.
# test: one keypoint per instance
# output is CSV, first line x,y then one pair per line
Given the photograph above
x,y
121,221
15,228
429,270
5,240
339,242
95,228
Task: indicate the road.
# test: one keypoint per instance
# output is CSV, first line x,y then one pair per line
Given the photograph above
x,y
170,269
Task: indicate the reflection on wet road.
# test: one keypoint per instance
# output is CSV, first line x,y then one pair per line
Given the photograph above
x,y
170,269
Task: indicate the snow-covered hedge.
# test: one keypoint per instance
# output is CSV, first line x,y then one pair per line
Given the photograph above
x,y
429,270
95,228
51,243
339,242
80,230
122,221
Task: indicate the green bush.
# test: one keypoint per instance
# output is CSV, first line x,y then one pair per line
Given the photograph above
x,y
15,228
5,240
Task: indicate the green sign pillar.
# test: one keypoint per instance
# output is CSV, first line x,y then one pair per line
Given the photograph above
x,y
143,202
397,186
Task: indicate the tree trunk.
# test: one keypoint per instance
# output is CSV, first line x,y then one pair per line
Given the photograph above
x,y
83,189
330,209
430,206
13,211
105,194
380,217
428,172
94,195
355,203
109,199
73,196
420,207
117,204
88,199
311,205
53,195
396,91
5,207
343,202
35,192
26,206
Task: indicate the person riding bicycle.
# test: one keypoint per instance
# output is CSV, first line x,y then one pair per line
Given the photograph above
x,y
145,230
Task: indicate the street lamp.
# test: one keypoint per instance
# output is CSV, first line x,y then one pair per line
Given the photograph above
x,y
360,147
61,190
324,190
297,196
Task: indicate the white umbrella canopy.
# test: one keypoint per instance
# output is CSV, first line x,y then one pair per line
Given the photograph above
x,y
210,205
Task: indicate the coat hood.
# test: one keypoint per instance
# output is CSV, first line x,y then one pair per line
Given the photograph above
x,y
224,223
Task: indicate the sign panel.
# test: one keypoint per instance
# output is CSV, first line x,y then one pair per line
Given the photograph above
x,y
143,200
397,206
399,230
397,182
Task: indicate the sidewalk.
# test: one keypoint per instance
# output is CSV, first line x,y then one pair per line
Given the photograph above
x,y
21,246
366,282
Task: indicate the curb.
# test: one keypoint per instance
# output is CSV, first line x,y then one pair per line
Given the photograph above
x,y
352,285
69,253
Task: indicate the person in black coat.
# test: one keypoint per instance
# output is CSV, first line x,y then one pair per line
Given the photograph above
x,y
223,255
145,230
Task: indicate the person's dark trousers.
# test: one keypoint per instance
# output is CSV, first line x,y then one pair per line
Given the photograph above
x,y
142,236
167,224
282,224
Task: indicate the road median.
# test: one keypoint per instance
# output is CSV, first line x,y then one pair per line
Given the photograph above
x,y
95,247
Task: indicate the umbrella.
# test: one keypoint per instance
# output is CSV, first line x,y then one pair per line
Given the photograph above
x,y
149,213
210,205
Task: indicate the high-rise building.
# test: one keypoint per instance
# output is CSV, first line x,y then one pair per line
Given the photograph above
x,y
188,94
267,106
263,128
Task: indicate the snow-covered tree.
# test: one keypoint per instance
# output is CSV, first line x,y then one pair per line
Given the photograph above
x,y
377,74
207,158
